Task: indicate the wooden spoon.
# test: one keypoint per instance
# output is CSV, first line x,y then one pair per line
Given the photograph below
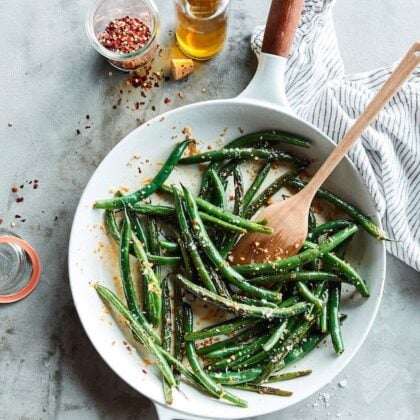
x,y
289,218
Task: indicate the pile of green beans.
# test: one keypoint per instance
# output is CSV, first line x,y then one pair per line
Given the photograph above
x,y
276,311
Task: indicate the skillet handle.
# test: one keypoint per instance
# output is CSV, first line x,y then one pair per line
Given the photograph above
x,y
283,19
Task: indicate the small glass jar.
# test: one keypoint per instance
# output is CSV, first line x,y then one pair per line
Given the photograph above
x,y
105,11
201,27
19,267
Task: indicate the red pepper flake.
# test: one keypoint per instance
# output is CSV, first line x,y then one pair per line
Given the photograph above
x,y
137,105
87,127
78,132
55,218
167,101
18,216
36,184
144,371
125,35
19,199
153,108
15,189
1,221
87,116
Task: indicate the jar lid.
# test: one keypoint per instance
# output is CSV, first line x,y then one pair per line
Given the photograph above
x,y
20,268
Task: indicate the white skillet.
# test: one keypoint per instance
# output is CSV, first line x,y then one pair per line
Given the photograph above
x,y
262,105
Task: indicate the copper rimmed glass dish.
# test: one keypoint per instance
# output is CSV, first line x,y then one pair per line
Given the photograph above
x,y
104,11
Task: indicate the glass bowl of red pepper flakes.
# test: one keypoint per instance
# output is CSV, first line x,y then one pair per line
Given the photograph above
x,y
124,31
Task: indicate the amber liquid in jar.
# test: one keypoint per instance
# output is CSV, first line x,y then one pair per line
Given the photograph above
x,y
201,27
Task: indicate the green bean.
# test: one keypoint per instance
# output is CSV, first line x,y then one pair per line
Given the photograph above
x,y
152,209
233,378
223,328
251,139
186,267
111,225
224,352
323,317
251,361
294,338
169,246
226,225
163,260
190,244
139,331
240,308
269,136
333,318
272,342
307,346
346,207
264,390
203,377
149,189
327,227
170,211
139,230
299,259
152,289
112,229
179,343
166,333
309,296
213,254
275,336
153,234
239,153
240,356
343,268
231,240
311,219
127,280
217,212
297,276
218,282
239,191
289,375
256,302
242,336
256,184
219,189
263,198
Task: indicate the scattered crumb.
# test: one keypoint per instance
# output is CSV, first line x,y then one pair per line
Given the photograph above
x,y
343,383
9,124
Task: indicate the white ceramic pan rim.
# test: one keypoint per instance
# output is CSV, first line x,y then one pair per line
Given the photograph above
x,y
268,100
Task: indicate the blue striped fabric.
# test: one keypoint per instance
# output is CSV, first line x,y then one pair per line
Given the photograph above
x,y
388,157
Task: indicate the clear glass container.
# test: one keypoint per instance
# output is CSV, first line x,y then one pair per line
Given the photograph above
x,y
201,27
16,267
105,11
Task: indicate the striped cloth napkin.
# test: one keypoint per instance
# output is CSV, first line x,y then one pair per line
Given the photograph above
x,y
388,157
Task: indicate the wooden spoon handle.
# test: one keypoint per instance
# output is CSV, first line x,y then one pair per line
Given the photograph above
x,y
282,22
390,87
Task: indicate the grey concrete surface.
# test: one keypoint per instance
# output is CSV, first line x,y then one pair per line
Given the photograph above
x,y
50,78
